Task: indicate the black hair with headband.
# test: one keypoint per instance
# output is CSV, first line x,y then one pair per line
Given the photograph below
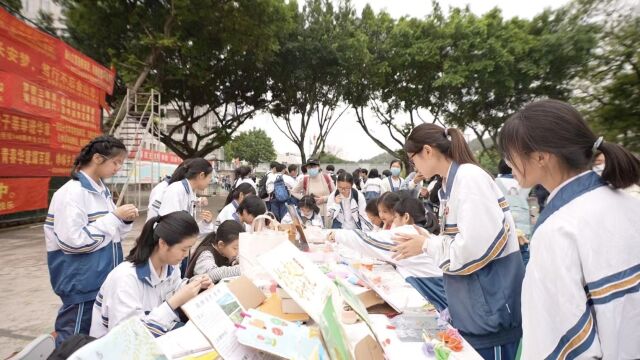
x,y
173,228
106,145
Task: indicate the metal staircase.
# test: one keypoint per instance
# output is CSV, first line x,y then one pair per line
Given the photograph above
x,y
138,130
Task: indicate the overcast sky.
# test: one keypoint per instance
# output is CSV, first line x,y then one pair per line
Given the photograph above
x,y
347,138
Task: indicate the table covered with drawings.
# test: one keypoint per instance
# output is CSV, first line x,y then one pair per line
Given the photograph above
x,y
325,303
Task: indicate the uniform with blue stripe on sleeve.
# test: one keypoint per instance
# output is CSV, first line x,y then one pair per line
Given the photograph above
x,y
136,290
580,297
179,196
479,255
83,240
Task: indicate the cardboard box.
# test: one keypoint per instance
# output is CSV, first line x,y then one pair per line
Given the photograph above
x,y
273,306
248,294
290,306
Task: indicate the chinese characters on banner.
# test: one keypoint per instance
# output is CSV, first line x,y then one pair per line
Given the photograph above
x,y
50,107
14,198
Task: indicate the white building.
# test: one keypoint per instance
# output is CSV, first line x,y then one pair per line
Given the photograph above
x,y
32,8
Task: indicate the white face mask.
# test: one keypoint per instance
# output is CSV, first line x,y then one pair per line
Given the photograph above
x,y
598,169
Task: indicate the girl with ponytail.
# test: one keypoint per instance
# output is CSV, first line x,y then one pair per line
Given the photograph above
x,y
477,248
584,249
83,232
148,284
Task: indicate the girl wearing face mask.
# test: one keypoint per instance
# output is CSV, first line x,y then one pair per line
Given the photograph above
x,y
347,206
584,248
393,182
217,254
308,212
148,284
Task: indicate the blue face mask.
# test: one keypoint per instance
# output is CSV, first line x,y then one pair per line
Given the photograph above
x,y
313,172
395,171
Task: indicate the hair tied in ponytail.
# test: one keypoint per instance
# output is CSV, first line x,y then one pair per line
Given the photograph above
x,y
597,144
156,221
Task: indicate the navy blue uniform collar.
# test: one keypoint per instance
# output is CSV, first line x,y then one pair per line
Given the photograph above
x,y
186,185
453,170
143,271
581,184
87,184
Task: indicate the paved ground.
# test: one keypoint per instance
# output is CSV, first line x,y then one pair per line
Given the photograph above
x,y
28,306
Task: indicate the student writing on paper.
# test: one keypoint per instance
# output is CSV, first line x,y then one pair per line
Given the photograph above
x,y
477,250
83,233
148,284
580,296
234,199
308,211
217,254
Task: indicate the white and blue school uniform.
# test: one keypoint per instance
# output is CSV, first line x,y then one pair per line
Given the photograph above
x,y
83,240
155,198
132,290
349,213
478,252
227,213
391,185
372,188
420,271
315,220
580,296
179,196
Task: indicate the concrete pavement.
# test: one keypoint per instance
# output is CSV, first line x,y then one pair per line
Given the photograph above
x,y
28,306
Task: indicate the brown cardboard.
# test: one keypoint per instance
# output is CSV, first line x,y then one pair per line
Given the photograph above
x,y
290,306
368,349
273,306
370,298
248,294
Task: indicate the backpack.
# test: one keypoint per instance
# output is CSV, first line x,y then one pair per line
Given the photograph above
x,y
305,182
280,191
262,187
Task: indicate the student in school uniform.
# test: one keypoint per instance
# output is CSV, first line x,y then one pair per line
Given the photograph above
x,y
393,182
243,175
278,180
181,194
250,208
217,254
234,199
308,211
580,296
148,285
347,206
373,216
83,233
477,248
385,204
419,271
155,197
373,187
317,184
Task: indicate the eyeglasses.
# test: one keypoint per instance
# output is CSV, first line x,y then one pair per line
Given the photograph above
x,y
412,156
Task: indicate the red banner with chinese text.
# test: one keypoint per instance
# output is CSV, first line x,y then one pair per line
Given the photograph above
x,y
22,160
157,156
55,50
29,97
19,59
30,130
22,194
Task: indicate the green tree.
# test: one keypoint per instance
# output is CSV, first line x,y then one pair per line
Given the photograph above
x,y
304,89
610,90
13,6
205,57
253,146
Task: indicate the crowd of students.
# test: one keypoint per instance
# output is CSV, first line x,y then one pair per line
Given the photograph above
x,y
458,234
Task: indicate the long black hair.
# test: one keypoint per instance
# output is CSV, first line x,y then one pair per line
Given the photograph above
x,y
244,188
228,232
190,169
556,127
172,228
105,145
450,142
